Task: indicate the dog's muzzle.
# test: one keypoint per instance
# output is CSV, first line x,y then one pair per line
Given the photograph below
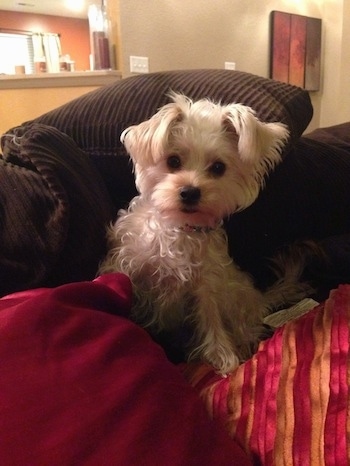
x,y
190,195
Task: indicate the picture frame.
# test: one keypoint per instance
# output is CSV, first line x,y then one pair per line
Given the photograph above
x,y
295,54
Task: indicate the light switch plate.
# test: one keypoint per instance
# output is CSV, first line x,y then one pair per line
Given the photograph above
x,y
139,64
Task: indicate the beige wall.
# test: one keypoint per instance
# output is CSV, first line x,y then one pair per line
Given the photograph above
x,y
336,90
179,34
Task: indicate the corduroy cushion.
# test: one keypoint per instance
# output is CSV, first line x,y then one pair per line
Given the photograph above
x,y
337,135
289,404
301,200
96,120
53,211
307,197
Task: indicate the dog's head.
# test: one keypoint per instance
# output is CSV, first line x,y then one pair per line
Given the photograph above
x,y
198,162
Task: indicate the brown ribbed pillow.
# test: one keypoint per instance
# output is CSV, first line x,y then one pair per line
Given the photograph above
x,y
53,211
96,120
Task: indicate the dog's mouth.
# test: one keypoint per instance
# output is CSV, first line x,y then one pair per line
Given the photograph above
x,y
185,216
189,209
195,216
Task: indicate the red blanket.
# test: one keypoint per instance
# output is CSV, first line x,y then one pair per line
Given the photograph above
x,y
81,385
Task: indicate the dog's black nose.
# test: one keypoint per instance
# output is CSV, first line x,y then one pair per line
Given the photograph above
x,y
190,195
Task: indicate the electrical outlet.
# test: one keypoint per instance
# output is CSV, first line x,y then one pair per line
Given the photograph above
x,y
139,64
230,65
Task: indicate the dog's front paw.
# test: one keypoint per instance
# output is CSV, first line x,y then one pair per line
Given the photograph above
x,y
222,359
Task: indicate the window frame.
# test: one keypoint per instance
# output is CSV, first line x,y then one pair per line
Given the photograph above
x,y
9,60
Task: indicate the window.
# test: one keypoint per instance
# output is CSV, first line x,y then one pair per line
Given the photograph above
x,y
16,49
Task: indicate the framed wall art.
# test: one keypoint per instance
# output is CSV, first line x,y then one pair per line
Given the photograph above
x,y
295,55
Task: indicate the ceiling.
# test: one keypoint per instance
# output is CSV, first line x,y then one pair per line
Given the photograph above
x,y
70,8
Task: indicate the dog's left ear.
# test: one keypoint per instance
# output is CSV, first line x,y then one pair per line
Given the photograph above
x,y
257,141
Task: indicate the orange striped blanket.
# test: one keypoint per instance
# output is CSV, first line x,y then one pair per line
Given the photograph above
x,y
289,404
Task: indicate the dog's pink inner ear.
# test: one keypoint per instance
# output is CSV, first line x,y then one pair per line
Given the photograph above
x,y
168,125
175,121
179,117
230,130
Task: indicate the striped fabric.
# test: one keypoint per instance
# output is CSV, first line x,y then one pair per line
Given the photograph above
x,y
289,404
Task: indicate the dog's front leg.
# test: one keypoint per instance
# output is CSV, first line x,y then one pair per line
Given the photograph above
x,y
214,343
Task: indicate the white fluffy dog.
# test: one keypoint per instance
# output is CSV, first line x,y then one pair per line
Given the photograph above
x,y
196,163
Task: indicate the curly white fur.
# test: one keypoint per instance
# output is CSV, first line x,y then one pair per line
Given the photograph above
x,y
195,163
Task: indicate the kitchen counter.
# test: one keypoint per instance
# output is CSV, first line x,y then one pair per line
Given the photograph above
x,y
27,96
63,79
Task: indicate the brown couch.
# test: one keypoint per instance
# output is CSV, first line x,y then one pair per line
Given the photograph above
x,y
82,384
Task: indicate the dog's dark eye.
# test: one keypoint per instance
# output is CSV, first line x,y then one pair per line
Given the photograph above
x,y
217,168
174,162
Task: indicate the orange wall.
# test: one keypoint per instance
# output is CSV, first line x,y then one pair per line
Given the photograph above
x,y
74,32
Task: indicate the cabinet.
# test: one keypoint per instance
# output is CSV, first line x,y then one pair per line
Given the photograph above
x,y
24,97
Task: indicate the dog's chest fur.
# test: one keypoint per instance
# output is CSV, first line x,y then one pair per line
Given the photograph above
x,y
167,265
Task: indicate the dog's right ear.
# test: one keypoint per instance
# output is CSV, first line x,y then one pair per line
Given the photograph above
x,y
147,141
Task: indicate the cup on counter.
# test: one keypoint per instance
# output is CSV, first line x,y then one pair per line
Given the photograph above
x,y
66,64
20,69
